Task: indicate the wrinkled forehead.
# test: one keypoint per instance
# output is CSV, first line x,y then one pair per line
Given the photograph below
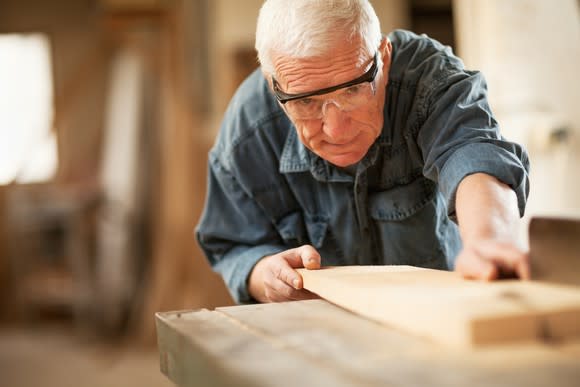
x,y
297,75
328,53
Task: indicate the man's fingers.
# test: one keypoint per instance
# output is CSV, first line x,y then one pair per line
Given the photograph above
x,y
500,251
310,257
469,265
491,260
278,290
523,269
303,256
274,279
509,259
282,271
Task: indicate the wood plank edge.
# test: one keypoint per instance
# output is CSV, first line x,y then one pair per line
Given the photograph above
x,y
183,360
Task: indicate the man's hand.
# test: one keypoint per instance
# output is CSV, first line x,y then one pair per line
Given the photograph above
x,y
274,279
489,260
488,216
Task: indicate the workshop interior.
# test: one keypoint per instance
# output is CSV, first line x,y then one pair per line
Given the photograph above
x,y
109,108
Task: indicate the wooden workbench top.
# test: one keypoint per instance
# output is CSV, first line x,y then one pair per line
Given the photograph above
x,y
315,343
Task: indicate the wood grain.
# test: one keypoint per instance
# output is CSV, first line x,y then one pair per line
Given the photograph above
x,y
442,306
315,343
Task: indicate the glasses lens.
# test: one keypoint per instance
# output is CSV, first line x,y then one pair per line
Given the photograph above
x,y
347,99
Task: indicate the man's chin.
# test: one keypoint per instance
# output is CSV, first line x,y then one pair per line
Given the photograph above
x,y
344,160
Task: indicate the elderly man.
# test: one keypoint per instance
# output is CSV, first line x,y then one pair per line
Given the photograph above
x,y
350,148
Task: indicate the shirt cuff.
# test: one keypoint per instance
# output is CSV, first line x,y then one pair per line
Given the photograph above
x,y
235,268
486,158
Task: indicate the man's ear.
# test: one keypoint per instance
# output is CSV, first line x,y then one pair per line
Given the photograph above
x,y
268,77
386,49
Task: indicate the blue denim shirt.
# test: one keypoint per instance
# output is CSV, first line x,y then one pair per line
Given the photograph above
x,y
267,192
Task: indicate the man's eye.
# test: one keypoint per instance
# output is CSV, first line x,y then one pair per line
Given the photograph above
x,y
353,89
305,101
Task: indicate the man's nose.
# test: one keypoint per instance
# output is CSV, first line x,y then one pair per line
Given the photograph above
x,y
334,120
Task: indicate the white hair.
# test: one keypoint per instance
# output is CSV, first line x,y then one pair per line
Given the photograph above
x,y
308,28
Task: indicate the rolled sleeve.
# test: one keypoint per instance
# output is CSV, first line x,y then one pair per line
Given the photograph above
x,y
489,158
460,137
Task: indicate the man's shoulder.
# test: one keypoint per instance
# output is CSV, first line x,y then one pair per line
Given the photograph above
x,y
252,115
253,99
418,56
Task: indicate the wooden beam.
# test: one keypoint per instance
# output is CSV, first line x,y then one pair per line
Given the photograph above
x,y
442,306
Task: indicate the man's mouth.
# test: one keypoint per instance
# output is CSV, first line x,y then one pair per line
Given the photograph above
x,y
342,143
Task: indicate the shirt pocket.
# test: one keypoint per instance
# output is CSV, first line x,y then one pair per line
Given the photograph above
x,y
408,225
297,229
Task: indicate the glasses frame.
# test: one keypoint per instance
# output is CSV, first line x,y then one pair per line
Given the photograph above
x,y
368,76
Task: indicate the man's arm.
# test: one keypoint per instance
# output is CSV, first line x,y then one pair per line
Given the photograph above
x,y
241,243
488,217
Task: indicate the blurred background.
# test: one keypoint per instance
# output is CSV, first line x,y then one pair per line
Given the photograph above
x,y
107,111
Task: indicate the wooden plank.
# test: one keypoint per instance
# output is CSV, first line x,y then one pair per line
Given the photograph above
x,y
325,333
339,340
206,348
316,343
444,307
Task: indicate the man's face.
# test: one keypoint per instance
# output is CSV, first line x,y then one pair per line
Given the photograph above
x,y
339,126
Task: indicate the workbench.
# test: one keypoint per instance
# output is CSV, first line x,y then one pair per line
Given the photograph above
x,y
316,343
